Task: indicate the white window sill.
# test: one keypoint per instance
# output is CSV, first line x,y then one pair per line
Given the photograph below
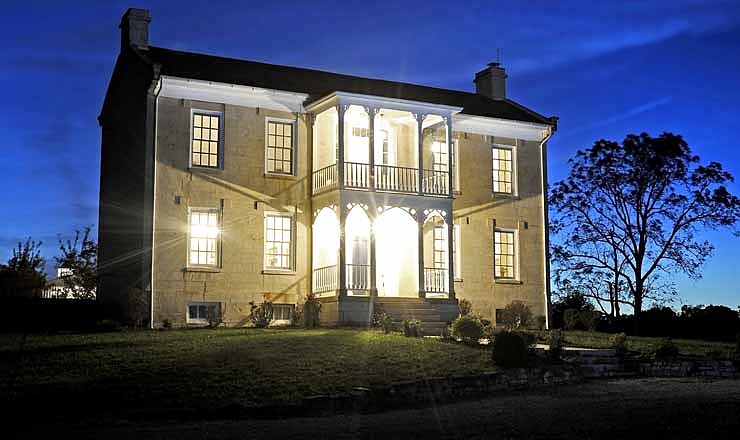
x,y
202,269
277,272
507,281
506,195
458,280
280,176
197,169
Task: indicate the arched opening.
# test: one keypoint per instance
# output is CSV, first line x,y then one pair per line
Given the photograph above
x,y
436,262
397,254
325,239
357,252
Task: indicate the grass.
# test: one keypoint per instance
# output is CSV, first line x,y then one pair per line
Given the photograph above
x,y
214,368
644,345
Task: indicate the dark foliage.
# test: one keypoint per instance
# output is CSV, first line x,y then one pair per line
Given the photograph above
x,y
260,314
412,328
509,350
516,315
23,275
555,342
667,349
311,311
80,257
572,301
465,307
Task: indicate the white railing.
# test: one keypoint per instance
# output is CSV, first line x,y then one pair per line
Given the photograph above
x,y
325,178
324,279
435,280
435,182
396,179
356,175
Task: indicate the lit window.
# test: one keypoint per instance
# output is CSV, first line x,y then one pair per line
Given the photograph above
x,y
279,147
440,247
457,252
503,170
206,140
282,313
203,313
504,254
203,237
278,241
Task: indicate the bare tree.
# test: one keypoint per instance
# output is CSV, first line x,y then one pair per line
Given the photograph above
x,y
629,216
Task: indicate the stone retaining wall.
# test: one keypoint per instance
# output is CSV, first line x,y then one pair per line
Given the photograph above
x,y
686,368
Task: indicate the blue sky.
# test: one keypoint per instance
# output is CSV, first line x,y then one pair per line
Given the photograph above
x,y
606,69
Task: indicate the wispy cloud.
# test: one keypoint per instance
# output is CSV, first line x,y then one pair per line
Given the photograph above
x,y
629,113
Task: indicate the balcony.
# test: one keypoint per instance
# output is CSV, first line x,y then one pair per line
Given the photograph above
x,y
382,149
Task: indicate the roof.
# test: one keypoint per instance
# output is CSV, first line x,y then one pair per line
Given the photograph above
x,y
317,83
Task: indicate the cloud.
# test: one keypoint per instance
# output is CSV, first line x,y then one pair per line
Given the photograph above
x,y
629,113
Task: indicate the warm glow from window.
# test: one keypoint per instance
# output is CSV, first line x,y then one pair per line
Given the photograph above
x,y
503,170
204,231
504,256
279,147
205,140
278,241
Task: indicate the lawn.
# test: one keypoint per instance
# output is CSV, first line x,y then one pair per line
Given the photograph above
x,y
643,344
214,368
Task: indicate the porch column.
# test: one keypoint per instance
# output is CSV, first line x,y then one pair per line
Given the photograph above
x,y
340,146
420,223
420,147
342,269
450,256
371,160
373,215
450,167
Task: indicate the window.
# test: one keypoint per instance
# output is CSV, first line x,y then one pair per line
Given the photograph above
x,y
457,252
279,145
203,313
282,313
278,241
439,156
503,170
204,237
504,254
206,140
440,247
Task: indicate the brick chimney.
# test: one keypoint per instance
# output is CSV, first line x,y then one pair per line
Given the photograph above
x,y
135,28
491,81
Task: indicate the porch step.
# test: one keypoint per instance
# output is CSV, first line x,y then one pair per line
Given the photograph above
x,y
434,315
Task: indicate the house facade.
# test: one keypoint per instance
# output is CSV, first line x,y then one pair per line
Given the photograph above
x,y
227,182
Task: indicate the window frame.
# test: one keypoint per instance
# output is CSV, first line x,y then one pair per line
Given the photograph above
x,y
219,217
514,180
293,162
198,320
220,158
515,266
291,310
292,245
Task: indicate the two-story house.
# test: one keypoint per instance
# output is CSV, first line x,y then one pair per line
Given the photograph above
x,y
225,182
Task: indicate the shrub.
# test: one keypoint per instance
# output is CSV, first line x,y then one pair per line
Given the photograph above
x,y
555,341
412,328
528,338
467,328
137,311
311,311
465,307
260,314
579,319
619,343
540,321
516,315
386,323
509,350
166,324
666,349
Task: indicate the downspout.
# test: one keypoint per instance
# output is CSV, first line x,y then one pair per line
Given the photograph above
x,y
546,223
153,95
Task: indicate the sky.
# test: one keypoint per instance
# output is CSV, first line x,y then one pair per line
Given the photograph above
x,y
605,68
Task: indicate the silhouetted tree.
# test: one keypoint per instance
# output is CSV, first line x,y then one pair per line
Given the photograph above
x,y
631,213
23,275
80,258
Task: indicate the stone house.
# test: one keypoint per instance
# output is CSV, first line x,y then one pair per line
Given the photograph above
x,y
225,182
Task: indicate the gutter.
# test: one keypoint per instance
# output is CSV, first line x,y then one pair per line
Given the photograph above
x,y
152,112
546,218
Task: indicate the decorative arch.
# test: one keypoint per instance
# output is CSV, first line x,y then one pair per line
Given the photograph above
x,y
397,252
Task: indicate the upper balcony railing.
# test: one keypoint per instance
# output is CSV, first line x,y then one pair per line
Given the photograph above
x,y
386,178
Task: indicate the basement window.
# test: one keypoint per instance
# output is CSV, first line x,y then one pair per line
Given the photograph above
x,y
203,312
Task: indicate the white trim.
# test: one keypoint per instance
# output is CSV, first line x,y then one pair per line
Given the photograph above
x,y
515,278
220,114
455,164
379,101
527,131
246,96
293,140
457,246
293,241
199,320
514,172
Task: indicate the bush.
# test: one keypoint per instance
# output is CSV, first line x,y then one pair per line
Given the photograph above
x,y
579,319
467,328
540,322
516,315
386,323
555,341
528,338
465,307
412,328
737,344
509,350
108,325
260,314
666,349
619,343
167,324
137,311
311,311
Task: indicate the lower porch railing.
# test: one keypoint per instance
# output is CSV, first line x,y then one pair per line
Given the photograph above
x,y
435,280
325,279
358,278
